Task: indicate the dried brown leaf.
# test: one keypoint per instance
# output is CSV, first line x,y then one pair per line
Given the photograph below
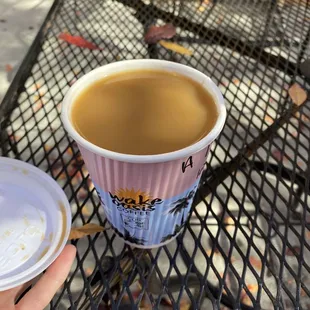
x,y
201,8
145,303
89,271
88,229
269,119
289,251
69,151
166,302
246,300
279,155
229,220
47,147
85,211
38,105
8,68
185,304
220,19
256,262
252,288
236,81
297,94
155,33
175,48
78,41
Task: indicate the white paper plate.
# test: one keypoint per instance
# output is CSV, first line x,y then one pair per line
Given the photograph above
x,y
35,221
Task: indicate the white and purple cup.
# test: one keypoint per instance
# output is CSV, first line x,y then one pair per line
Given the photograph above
x,y
146,198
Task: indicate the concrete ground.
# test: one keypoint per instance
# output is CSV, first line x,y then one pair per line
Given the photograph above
x,y
19,23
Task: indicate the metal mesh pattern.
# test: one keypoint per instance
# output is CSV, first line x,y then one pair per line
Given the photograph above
x,y
247,243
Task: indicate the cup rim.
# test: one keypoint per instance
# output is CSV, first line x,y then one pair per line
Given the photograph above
x,y
131,65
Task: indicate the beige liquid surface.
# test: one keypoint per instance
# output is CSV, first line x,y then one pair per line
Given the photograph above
x,y
144,112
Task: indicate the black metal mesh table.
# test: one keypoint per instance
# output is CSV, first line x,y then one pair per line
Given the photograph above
x,y
247,243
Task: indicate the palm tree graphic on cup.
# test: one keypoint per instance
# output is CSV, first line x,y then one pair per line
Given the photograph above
x,y
179,206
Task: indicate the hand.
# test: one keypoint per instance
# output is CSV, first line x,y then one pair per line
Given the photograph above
x,y
44,290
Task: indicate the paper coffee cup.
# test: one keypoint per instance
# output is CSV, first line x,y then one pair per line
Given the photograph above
x,y
146,198
35,222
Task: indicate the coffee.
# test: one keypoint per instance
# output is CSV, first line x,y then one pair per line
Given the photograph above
x,y
144,112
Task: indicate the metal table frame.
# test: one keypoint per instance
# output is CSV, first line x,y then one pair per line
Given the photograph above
x,y
239,162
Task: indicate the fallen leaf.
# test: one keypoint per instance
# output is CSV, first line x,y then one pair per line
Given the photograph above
x,y
236,81
78,41
166,302
89,271
8,68
289,251
301,164
76,178
14,138
201,8
69,151
305,118
297,94
175,48
62,176
47,147
229,220
84,171
246,300
78,161
230,224
220,19
145,303
225,292
256,262
185,304
38,105
36,86
82,194
268,119
85,211
155,33
279,155
252,288
203,5
88,229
